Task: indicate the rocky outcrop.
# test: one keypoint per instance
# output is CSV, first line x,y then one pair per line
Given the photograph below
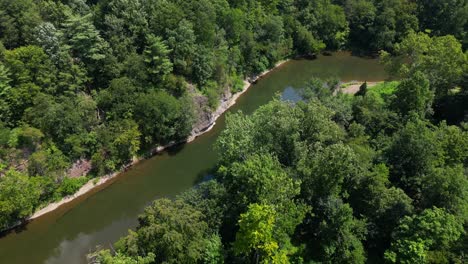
x,y
80,168
203,114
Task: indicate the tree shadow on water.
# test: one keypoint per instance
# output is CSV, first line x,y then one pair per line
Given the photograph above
x,y
205,175
17,229
175,149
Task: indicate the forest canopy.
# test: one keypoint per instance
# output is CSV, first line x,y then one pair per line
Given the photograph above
x,y
302,182
375,177
334,179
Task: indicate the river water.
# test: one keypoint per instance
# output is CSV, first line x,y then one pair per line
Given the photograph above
x,y
102,216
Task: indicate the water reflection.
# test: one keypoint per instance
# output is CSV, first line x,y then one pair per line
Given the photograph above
x,y
291,94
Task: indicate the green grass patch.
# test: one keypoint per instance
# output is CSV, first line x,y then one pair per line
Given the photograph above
x,y
236,84
384,89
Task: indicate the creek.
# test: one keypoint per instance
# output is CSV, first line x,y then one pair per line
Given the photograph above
x,y
103,215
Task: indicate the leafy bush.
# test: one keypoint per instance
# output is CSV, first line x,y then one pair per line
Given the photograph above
x,y
212,92
69,186
384,88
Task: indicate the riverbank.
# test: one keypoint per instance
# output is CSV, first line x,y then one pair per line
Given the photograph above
x,y
353,87
96,182
105,213
226,104
350,88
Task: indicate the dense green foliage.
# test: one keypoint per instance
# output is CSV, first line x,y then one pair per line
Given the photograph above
x,y
17,198
98,81
102,81
333,178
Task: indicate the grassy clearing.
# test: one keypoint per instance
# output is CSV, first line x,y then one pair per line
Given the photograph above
x,y
384,88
